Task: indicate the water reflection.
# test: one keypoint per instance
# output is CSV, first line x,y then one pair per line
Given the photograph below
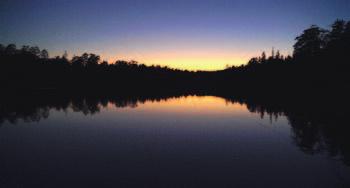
x,y
201,134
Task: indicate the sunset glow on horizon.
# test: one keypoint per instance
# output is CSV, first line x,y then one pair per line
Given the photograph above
x,y
182,34
192,60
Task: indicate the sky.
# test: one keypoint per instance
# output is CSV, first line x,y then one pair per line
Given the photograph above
x,y
184,34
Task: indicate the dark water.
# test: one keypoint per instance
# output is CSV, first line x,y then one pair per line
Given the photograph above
x,y
194,141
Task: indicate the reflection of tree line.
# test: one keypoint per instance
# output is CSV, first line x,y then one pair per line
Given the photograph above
x,y
33,108
318,125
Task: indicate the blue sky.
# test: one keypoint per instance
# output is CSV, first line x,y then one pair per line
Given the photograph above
x,y
188,34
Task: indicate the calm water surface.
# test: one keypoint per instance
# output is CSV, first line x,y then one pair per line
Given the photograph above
x,y
194,141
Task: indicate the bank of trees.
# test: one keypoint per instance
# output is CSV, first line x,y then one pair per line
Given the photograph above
x,y
320,59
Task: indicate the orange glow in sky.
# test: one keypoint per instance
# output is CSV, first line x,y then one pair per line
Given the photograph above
x,y
186,60
180,53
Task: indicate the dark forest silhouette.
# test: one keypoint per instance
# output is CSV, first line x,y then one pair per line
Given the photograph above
x,y
319,63
311,87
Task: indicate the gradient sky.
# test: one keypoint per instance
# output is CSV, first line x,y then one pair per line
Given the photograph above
x,y
186,34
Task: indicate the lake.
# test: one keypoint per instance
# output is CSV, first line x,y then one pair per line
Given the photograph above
x,y
181,141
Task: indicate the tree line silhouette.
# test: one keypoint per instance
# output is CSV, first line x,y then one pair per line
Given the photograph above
x,y
310,88
319,61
